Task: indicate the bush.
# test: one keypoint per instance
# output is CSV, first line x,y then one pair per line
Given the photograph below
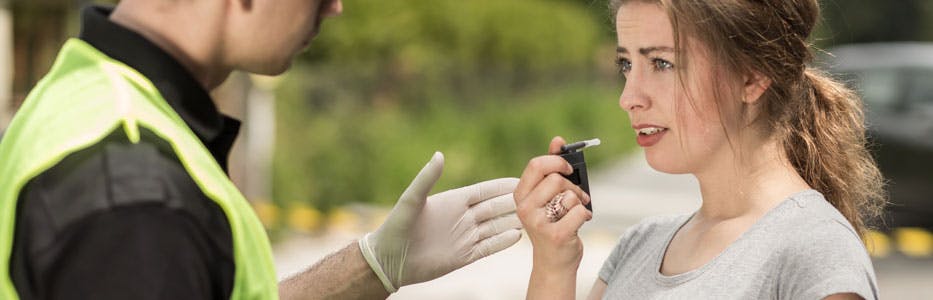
x,y
444,43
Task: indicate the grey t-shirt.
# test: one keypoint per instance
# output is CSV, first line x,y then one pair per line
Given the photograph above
x,y
801,249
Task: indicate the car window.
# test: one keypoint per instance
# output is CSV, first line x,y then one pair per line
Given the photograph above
x,y
879,88
920,90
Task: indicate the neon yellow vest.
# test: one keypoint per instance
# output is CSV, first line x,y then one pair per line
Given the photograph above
x,y
84,98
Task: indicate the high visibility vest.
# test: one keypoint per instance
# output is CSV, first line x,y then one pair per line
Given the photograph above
x,y
85,97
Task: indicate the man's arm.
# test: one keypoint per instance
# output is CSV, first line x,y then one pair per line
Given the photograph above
x,y
120,221
341,275
133,252
423,238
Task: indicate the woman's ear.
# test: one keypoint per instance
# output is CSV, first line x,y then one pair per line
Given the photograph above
x,y
755,85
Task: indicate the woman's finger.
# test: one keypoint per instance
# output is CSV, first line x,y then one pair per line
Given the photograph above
x,y
554,147
566,202
575,218
538,168
548,188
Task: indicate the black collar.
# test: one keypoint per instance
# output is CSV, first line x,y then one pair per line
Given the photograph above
x,y
176,84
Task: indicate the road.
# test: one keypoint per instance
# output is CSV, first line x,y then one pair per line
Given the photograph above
x,y
623,193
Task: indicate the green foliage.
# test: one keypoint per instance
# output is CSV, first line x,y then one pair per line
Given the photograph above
x,y
352,152
487,82
450,43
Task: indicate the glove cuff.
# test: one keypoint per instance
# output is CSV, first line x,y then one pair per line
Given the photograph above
x,y
370,257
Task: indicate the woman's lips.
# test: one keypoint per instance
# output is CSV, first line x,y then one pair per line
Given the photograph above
x,y
649,135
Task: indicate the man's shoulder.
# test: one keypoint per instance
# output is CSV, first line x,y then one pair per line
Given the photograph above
x,y
78,72
112,174
124,205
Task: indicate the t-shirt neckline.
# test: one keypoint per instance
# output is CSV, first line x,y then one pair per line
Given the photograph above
x,y
681,278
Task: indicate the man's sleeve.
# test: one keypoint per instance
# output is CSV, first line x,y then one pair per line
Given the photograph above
x,y
137,252
120,221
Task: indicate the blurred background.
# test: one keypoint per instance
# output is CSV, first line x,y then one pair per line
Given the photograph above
x,y
327,147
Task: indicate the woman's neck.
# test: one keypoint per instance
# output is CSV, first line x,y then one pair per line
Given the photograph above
x,y
749,182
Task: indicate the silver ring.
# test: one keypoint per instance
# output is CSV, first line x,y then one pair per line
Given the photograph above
x,y
554,210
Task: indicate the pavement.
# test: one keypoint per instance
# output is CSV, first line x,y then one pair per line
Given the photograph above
x,y
623,193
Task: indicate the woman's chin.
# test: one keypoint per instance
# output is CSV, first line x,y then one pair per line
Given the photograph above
x,y
665,164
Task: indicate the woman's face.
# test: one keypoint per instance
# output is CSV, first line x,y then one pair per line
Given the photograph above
x,y
678,124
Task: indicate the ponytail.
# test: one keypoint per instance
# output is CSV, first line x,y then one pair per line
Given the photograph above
x,y
824,137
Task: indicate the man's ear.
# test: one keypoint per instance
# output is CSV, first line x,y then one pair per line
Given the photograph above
x,y
247,4
755,85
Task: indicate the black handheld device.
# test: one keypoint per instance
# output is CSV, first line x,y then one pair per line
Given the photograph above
x,y
573,154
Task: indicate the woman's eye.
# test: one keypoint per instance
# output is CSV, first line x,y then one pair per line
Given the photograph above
x,y
662,65
624,65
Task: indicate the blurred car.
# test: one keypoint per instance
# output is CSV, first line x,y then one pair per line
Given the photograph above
x,y
895,81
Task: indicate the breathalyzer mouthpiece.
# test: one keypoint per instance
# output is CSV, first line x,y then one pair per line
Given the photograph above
x,y
579,145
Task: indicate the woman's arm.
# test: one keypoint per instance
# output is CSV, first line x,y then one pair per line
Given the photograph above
x,y
845,296
599,288
557,250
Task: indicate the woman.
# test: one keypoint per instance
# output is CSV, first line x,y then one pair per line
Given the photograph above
x,y
721,89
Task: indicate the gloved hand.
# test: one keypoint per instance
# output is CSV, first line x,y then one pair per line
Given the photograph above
x,y
424,237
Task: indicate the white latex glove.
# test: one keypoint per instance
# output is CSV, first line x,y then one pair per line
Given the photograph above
x,y
424,237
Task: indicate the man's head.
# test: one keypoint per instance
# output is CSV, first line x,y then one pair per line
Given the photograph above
x,y
213,37
263,36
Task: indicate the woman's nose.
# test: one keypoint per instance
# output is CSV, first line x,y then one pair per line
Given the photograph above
x,y
634,96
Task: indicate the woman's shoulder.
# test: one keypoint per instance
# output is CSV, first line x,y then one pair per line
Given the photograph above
x,y
808,215
819,251
813,237
654,228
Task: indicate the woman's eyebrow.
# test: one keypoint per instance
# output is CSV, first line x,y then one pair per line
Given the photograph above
x,y
647,50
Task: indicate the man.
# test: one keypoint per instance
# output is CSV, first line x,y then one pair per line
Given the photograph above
x,y
113,173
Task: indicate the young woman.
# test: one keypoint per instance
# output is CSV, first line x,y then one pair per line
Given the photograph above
x,y
722,89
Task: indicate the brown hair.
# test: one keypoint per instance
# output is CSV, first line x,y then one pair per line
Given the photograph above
x,y
817,120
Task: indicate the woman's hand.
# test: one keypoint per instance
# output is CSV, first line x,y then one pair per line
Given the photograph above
x,y
557,248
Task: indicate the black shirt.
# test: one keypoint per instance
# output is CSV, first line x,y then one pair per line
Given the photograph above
x,y
120,220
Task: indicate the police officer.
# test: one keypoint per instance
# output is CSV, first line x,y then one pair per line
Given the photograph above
x,y
113,177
